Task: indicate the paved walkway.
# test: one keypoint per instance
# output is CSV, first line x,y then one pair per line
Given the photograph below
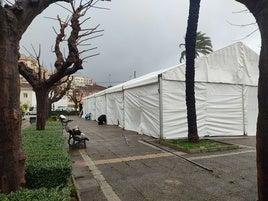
x,y
120,165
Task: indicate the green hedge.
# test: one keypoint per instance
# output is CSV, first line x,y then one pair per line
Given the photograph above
x,y
41,194
56,113
48,163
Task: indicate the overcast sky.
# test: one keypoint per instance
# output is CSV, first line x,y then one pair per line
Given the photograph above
x,y
144,35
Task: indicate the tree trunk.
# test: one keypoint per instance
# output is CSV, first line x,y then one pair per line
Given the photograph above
x,y
42,107
49,109
262,123
190,43
11,154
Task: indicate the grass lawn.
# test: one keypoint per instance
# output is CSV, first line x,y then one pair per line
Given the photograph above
x,y
204,145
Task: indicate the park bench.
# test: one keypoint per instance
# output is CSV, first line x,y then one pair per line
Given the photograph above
x,y
76,140
76,137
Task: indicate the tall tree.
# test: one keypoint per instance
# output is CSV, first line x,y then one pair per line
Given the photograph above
x,y
190,45
203,46
259,9
64,67
14,20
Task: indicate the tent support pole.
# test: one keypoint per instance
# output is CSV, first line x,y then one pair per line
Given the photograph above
x,y
160,92
106,107
95,104
124,113
243,110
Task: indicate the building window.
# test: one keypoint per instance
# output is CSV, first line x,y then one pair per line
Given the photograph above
x,y
25,95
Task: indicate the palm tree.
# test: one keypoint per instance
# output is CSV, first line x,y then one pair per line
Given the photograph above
x,y
203,46
190,51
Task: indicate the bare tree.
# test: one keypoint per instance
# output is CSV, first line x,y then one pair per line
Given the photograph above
x,y
43,83
14,20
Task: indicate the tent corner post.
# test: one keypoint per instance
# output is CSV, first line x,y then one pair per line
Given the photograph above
x,y
243,109
160,90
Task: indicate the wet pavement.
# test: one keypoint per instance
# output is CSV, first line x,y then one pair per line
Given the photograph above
x,y
120,165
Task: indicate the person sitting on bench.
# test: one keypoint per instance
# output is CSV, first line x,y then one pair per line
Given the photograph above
x,y
78,133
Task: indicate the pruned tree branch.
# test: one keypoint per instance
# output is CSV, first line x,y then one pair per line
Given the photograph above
x,y
64,7
81,41
248,35
87,50
245,25
93,55
72,62
60,37
242,25
60,89
85,20
241,11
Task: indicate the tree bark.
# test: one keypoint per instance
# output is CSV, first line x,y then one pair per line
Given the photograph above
x,y
49,109
262,123
42,107
14,20
11,154
259,8
190,43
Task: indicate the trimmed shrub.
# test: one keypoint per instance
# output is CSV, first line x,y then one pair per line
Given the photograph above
x,y
41,194
52,118
66,113
48,163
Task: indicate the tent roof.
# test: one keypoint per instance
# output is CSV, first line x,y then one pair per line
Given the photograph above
x,y
234,64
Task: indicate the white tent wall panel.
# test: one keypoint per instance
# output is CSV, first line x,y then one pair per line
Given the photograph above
x,y
85,106
174,109
132,110
142,110
252,109
224,110
115,108
89,106
201,107
100,105
150,111
219,109
92,108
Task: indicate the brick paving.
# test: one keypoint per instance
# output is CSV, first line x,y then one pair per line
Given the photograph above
x,y
118,165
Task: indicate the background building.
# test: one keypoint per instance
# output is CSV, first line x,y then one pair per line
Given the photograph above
x,y
82,84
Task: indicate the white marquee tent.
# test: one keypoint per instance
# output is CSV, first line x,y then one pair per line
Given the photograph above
x,y
154,104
